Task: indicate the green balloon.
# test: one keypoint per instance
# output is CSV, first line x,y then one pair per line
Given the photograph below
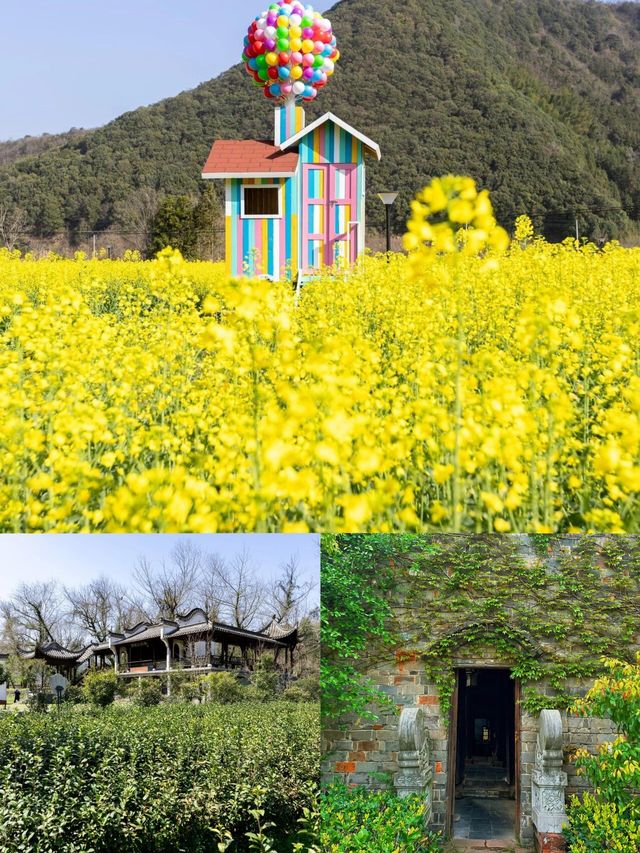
x,y
263,74
261,60
318,62
307,22
282,32
283,44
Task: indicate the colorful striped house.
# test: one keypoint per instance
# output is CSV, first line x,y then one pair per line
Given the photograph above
x,y
298,204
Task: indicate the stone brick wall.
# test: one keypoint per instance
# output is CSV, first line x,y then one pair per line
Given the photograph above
x,y
367,753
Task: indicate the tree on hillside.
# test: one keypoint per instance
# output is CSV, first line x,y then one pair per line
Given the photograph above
x,y
13,221
208,224
173,226
136,214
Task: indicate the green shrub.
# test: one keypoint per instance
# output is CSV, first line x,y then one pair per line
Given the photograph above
x,y
100,688
74,694
159,780
609,818
358,820
149,693
222,687
295,694
310,684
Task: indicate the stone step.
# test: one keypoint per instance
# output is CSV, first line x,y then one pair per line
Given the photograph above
x,y
485,792
461,845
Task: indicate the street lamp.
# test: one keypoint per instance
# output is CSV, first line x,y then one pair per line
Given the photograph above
x,y
388,199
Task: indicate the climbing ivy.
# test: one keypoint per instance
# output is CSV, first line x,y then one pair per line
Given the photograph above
x,y
549,610
551,613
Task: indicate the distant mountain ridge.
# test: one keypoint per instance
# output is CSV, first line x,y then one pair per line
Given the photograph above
x,y
539,100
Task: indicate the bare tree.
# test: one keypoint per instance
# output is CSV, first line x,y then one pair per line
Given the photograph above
x,y
35,615
13,221
289,592
137,212
209,586
169,590
241,593
101,606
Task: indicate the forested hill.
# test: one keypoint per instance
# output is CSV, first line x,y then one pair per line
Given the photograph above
x,y
537,99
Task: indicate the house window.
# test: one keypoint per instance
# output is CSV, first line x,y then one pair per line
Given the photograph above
x,y
261,202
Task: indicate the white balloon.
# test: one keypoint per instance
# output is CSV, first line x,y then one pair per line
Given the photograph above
x,y
329,66
262,23
298,87
325,25
270,32
296,20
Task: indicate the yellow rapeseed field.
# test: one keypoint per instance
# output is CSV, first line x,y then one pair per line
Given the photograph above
x,y
434,392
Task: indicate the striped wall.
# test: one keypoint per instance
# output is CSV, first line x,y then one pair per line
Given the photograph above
x,y
256,247
275,247
330,144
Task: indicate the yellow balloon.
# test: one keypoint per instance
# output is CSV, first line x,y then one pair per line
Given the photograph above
x,y
295,44
307,46
296,72
272,59
283,21
295,32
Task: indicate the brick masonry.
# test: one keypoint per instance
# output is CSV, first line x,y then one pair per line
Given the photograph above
x,y
367,754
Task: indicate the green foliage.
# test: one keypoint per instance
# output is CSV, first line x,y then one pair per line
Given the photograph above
x,y
100,688
172,778
549,618
610,817
148,693
222,687
358,573
538,101
356,819
74,694
173,226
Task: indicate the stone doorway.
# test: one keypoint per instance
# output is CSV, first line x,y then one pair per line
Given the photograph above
x,y
483,801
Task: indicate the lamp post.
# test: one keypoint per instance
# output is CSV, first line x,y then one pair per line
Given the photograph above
x,y
388,199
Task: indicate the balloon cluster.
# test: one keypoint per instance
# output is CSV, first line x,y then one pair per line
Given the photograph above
x,y
290,51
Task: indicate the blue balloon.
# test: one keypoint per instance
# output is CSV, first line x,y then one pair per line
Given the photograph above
x,y
253,63
284,73
246,41
308,92
317,76
327,51
276,90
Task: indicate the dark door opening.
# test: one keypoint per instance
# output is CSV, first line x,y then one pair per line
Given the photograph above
x,y
485,762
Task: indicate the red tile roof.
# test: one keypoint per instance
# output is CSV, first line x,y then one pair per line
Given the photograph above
x,y
250,157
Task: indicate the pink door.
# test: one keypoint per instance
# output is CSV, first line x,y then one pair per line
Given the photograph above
x,y
329,229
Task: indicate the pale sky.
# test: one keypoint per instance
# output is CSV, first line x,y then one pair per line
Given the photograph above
x,y
81,63
75,559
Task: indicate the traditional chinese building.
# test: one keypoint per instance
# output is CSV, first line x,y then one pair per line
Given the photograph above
x,y
191,642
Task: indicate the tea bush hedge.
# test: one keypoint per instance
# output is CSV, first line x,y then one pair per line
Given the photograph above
x,y
153,780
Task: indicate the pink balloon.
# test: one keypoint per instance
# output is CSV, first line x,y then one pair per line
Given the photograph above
x,y
318,47
308,60
297,58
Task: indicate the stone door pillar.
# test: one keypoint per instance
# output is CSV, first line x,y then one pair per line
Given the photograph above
x,y
548,786
415,774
